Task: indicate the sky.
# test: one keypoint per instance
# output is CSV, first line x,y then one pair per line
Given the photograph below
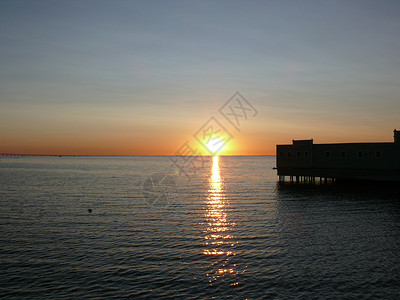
x,y
142,77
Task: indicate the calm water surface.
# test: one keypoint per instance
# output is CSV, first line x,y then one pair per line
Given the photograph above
x,y
230,231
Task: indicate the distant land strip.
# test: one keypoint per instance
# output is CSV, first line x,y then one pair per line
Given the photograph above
x,y
30,154
60,155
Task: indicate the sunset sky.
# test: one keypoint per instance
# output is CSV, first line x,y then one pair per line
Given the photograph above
x,y
142,77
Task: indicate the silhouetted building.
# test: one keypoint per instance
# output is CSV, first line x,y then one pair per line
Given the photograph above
x,y
343,161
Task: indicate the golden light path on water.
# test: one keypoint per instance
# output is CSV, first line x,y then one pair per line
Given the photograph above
x,y
219,243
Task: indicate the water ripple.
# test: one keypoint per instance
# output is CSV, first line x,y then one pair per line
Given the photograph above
x,y
233,234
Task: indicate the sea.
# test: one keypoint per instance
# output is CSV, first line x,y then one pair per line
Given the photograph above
x,y
191,228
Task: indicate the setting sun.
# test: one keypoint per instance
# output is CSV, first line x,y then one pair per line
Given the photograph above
x,y
215,145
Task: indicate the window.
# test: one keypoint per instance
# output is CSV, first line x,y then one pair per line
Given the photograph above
x,y
306,154
298,155
360,154
289,154
378,154
327,154
343,154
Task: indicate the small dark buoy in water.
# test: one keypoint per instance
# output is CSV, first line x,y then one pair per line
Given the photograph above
x,y
89,210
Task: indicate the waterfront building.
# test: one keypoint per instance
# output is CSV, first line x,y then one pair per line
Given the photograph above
x,y
304,160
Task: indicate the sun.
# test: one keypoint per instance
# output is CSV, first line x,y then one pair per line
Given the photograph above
x,y
215,145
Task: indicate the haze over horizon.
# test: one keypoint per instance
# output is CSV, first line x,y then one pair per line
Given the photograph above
x,y
142,77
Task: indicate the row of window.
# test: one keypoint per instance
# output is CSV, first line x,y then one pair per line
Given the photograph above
x,y
328,154
298,154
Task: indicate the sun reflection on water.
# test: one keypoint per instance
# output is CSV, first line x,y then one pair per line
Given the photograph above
x,y
219,241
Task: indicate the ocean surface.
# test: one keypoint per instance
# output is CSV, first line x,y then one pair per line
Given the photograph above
x,y
205,228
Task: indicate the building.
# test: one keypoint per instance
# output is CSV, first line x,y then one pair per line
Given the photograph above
x,y
304,160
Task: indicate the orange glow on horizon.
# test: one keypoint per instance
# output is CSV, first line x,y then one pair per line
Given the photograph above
x,y
136,143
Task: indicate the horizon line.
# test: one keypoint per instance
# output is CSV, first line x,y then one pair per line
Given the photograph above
x,y
120,155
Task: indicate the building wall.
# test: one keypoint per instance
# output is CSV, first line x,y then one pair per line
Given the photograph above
x,y
369,156
298,155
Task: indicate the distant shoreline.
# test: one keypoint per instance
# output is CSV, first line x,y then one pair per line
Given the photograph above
x,y
87,155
